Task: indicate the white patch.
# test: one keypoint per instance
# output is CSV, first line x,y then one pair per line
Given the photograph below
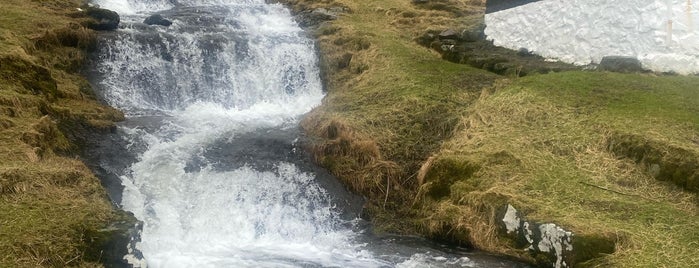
x,y
134,261
554,238
662,34
528,234
511,220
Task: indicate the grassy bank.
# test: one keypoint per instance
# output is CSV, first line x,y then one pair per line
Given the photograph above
x,y
440,148
52,208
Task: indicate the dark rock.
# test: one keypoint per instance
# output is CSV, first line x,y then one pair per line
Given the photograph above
x,y
473,35
449,34
157,19
111,244
620,64
523,52
102,19
549,244
420,1
426,39
319,15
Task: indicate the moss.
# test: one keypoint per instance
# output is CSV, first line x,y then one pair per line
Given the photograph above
x,y
444,172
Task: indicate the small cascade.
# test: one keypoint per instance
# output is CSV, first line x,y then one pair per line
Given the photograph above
x,y
213,103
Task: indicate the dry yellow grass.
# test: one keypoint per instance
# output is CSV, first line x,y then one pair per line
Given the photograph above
x,y
462,142
51,206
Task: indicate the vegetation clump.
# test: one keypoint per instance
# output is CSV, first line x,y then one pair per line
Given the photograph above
x,y
441,148
54,211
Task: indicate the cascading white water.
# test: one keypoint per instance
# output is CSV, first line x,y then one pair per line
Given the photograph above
x,y
220,71
225,70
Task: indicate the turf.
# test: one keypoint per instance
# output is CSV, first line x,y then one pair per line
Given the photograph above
x,y
52,208
439,147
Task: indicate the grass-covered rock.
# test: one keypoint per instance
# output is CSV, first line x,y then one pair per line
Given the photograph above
x,y
603,164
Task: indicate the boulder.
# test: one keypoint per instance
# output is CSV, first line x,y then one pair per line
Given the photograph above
x,y
317,16
473,35
157,19
449,34
549,244
621,64
102,19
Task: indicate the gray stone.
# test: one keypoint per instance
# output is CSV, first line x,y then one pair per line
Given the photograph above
x,y
157,19
449,34
621,64
102,19
319,15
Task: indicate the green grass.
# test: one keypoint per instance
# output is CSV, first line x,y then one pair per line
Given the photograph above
x,y
557,127
438,147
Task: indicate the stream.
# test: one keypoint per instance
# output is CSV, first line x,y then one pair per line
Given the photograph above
x,y
209,157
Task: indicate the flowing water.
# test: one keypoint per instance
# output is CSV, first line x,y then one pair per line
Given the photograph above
x,y
207,158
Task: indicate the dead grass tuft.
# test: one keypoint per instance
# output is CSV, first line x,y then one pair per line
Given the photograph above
x,y
52,208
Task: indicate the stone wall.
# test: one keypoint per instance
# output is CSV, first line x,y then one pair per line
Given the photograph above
x,y
662,34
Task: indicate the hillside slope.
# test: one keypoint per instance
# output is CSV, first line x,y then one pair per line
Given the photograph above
x,y
576,168
53,211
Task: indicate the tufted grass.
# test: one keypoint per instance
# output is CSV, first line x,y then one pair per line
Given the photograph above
x,y
438,148
555,130
52,207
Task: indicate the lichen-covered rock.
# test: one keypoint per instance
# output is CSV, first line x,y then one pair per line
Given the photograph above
x,y
549,244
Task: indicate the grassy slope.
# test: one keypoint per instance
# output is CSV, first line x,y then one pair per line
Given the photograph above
x,y
404,127
51,206
550,136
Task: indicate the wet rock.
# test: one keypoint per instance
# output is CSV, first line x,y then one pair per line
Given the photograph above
x,y
102,19
111,244
157,19
620,64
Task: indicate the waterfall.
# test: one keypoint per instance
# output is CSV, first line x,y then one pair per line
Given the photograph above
x,y
212,104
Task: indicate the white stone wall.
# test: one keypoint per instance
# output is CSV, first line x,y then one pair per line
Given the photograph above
x,y
662,34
